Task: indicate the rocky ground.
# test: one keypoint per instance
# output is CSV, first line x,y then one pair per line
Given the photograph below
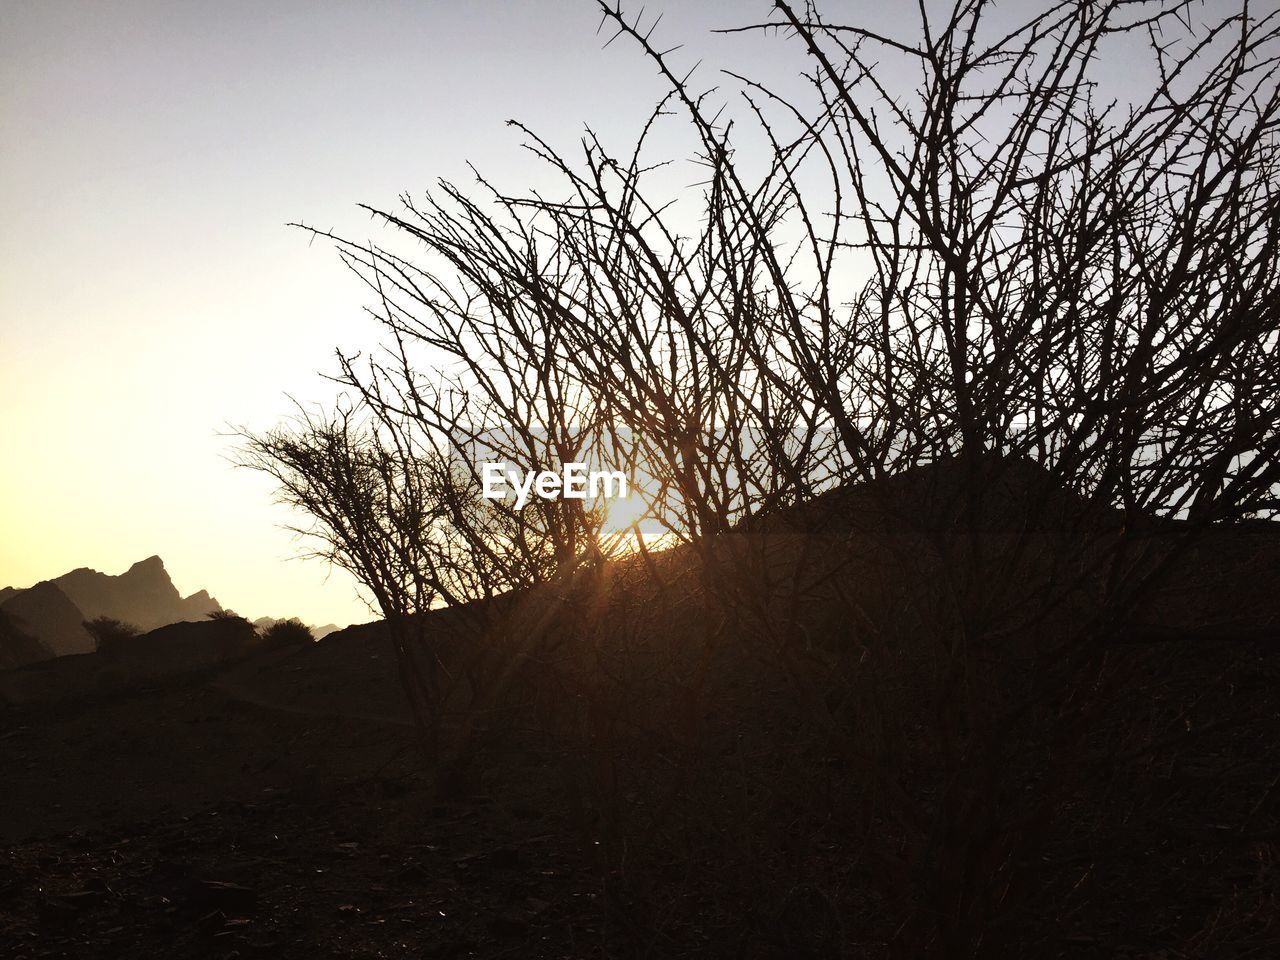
x,y
278,806
186,823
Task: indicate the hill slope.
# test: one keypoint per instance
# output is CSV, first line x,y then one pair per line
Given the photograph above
x,y
46,613
17,647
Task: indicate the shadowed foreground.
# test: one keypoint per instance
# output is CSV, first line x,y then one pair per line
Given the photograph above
x,y
277,805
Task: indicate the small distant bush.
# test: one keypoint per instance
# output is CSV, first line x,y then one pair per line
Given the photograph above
x,y
109,633
286,632
226,615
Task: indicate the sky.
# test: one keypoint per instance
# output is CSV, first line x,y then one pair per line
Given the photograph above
x,y
152,296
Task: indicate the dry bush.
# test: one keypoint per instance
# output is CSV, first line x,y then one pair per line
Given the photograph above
x,y
287,632
109,633
930,437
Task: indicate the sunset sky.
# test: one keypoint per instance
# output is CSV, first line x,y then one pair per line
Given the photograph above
x,y
150,292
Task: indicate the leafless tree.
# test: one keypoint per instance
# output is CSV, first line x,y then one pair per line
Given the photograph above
x,y
1069,303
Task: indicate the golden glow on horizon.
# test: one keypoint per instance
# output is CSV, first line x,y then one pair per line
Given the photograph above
x,y
150,292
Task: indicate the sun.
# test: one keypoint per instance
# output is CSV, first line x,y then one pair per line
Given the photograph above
x,y
629,523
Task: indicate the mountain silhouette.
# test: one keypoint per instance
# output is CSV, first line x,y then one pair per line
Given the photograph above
x,y
143,595
47,614
48,618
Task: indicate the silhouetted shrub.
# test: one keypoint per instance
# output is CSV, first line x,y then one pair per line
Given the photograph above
x,y
285,633
1014,329
226,615
109,633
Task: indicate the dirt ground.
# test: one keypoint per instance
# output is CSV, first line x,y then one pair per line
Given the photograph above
x,y
279,807
181,821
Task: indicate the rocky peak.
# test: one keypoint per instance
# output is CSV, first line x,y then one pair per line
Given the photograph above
x,y
151,567
143,595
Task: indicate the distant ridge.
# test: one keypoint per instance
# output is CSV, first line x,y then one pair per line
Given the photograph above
x,y
48,619
143,595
